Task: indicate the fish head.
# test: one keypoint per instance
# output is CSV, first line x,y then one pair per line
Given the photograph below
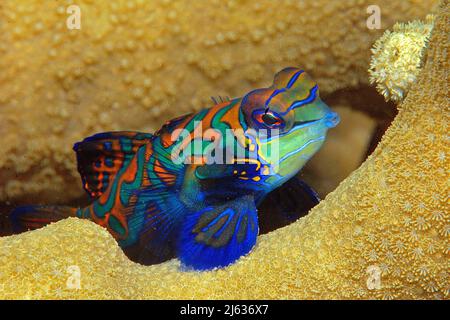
x,y
288,122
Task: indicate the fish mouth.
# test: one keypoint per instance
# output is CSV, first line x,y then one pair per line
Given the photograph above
x,y
332,119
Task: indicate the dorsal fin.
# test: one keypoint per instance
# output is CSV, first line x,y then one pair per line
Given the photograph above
x,y
220,99
172,124
102,155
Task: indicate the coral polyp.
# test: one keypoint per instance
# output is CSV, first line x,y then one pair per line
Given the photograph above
x,y
398,57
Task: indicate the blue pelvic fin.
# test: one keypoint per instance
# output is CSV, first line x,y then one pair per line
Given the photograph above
x,y
286,204
101,156
217,236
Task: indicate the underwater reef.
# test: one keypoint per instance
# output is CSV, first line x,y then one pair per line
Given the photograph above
x,y
135,63
390,216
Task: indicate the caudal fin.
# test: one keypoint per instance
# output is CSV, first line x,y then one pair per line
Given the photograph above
x,y
34,217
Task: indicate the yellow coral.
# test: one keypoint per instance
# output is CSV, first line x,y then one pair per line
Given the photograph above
x,y
136,63
398,56
390,217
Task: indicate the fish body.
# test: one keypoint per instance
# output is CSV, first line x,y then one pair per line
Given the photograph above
x,y
193,187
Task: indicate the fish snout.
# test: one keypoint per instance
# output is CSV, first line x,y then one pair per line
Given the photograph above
x,y
332,119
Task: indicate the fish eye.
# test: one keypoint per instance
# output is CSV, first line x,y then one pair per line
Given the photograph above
x,y
268,119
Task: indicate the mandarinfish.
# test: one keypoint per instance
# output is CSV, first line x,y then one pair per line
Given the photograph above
x,y
193,187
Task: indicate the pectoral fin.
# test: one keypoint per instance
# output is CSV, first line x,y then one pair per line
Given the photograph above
x,y
217,236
